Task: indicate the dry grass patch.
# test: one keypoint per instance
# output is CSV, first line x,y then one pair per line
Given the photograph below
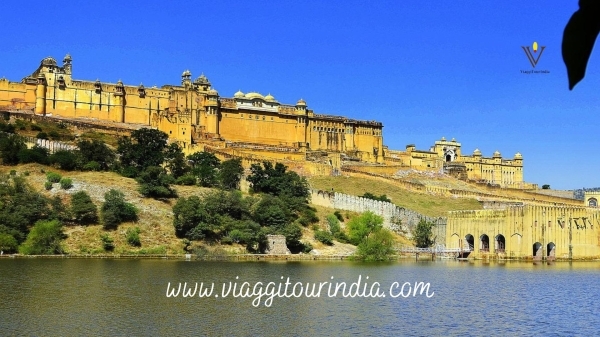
x,y
426,204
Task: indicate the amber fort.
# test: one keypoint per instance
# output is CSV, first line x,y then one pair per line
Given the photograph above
x,y
195,115
519,219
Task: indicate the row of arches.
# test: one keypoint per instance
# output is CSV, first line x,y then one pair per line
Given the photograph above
x,y
500,246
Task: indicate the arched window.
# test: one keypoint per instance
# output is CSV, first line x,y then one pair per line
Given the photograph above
x,y
500,243
592,202
484,243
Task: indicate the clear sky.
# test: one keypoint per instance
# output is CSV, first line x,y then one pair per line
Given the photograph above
x,y
426,69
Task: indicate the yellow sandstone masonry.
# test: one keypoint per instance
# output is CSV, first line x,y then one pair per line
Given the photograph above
x,y
256,126
527,231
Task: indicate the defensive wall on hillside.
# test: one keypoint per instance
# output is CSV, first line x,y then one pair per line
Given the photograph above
x,y
394,217
484,192
51,145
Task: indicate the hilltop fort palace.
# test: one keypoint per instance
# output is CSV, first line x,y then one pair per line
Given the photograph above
x,y
248,125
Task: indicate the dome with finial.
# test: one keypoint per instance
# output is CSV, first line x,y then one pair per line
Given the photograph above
x,y
477,152
141,86
238,94
453,140
201,79
212,92
67,58
119,83
497,154
252,95
49,61
518,155
443,139
301,102
269,98
186,73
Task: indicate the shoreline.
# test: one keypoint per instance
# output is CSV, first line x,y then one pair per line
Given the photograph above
x,y
288,257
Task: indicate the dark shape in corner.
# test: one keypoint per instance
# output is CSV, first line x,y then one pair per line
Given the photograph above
x,y
579,38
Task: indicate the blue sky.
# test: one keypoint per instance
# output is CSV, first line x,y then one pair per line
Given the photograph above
x,y
426,69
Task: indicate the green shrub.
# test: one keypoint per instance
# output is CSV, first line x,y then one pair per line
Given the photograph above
x,y
36,154
54,135
334,224
107,242
66,183
48,185
83,209
307,248
324,237
34,127
8,128
42,135
8,243
226,240
53,177
44,238
92,166
13,172
26,173
308,216
129,172
156,183
133,236
338,215
187,179
376,247
115,210
65,159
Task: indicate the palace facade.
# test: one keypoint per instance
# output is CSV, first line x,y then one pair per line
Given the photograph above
x,y
448,155
194,113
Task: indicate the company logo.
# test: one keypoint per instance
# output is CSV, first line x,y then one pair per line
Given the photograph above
x,y
533,57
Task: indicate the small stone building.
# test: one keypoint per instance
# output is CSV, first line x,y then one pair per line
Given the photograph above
x,y
276,245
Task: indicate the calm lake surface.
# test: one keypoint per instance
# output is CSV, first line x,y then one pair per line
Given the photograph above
x,y
93,297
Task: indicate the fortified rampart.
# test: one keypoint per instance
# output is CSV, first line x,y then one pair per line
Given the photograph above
x,y
485,192
51,145
394,217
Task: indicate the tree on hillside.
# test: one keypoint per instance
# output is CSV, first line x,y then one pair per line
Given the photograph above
x,y
205,167
175,160
143,149
10,146
362,226
378,246
374,243
36,154
156,183
44,239
423,234
230,174
212,217
20,207
382,197
96,151
276,180
115,210
64,159
83,209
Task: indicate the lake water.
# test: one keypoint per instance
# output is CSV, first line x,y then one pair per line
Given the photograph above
x,y
93,297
